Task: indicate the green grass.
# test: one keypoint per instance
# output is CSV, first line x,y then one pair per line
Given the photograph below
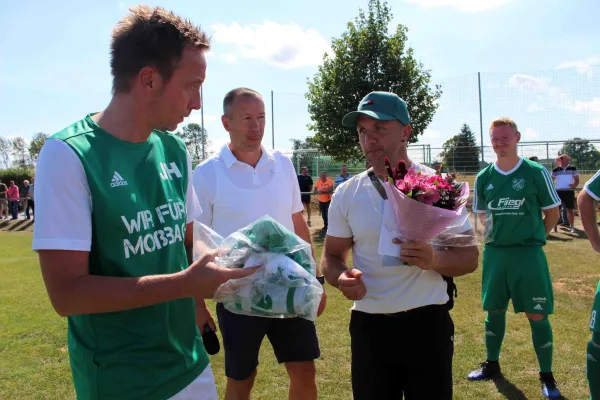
x,y
34,363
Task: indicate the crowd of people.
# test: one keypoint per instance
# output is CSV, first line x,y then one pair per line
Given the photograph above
x,y
11,198
118,198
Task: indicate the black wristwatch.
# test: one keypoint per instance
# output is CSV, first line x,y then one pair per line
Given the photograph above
x,y
321,279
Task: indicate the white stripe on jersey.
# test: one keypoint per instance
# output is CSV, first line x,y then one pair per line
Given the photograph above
x,y
475,197
588,190
550,186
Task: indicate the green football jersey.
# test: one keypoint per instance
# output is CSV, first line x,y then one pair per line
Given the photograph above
x,y
514,201
138,196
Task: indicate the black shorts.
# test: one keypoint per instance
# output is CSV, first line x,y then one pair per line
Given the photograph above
x,y
293,340
567,197
305,198
405,354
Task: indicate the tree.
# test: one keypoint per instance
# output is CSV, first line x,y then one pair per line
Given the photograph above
x,y
582,154
20,152
5,150
192,137
37,142
367,58
461,153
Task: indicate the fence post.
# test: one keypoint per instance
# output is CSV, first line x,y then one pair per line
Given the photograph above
x,y
480,116
202,122
273,119
548,153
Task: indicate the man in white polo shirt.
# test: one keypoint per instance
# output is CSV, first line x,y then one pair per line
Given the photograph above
x,y
242,183
401,330
566,177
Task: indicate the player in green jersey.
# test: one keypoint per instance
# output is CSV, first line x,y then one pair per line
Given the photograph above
x,y
511,195
114,226
587,210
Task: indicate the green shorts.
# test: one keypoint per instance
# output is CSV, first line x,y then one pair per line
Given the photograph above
x,y
595,320
517,273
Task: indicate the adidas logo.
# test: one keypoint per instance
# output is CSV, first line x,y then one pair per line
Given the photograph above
x,y
591,357
490,187
118,180
546,346
538,307
490,333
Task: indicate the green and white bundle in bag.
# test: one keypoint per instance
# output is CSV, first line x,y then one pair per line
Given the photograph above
x,y
284,287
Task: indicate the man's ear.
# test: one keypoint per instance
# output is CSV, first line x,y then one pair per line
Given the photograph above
x,y
406,133
225,122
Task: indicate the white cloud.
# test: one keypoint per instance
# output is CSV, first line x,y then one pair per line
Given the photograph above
x,y
531,133
592,108
468,6
283,45
584,66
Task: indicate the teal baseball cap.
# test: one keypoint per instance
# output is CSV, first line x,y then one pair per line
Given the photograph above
x,y
384,106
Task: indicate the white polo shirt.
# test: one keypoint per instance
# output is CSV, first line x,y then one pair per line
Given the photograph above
x,y
356,212
233,194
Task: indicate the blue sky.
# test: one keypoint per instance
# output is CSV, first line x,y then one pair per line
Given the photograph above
x,y
539,59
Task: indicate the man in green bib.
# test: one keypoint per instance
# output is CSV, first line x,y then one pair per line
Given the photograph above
x,y
587,211
113,227
511,196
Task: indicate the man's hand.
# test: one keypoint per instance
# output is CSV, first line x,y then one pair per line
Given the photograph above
x,y
417,253
351,284
573,185
205,276
204,317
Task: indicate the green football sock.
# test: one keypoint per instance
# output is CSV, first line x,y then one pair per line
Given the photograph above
x,y
495,325
541,332
593,366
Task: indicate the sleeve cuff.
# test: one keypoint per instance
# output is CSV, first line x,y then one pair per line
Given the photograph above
x,y
592,194
551,206
61,244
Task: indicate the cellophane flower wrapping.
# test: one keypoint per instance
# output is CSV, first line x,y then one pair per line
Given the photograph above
x,y
421,222
284,287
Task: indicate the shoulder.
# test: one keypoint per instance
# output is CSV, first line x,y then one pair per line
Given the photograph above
x,y
208,165
486,171
556,169
352,184
76,129
572,168
170,140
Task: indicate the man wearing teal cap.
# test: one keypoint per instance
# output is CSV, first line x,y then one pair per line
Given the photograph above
x,y
401,330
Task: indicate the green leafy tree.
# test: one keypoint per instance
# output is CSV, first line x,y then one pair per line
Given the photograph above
x,y
367,58
192,136
461,153
37,142
20,151
582,154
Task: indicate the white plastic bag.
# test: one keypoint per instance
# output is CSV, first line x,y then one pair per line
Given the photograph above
x,y
285,285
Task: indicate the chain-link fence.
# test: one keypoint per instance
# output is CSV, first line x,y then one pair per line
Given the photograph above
x,y
463,160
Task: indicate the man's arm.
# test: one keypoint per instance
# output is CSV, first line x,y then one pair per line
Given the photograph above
x,y
575,181
301,229
72,290
551,216
587,211
335,256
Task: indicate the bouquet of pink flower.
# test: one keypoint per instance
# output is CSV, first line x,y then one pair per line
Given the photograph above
x,y
424,205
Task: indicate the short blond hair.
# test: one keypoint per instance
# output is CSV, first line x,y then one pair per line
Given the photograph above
x,y
503,121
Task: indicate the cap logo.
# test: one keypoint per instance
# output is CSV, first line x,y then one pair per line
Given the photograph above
x,y
368,102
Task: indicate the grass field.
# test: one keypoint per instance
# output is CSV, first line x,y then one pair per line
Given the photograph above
x,y
34,361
